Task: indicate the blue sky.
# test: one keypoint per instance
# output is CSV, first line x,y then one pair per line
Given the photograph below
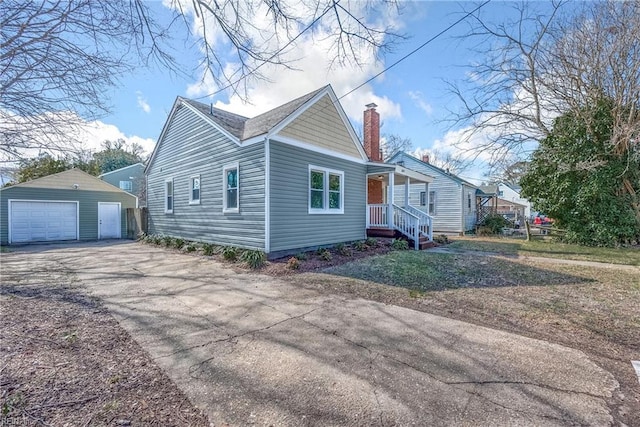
x,y
412,97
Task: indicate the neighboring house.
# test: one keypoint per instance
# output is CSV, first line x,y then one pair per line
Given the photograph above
x,y
130,179
508,199
449,199
70,205
293,178
511,193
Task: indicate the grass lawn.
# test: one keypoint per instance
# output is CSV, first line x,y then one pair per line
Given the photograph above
x,y
547,248
590,308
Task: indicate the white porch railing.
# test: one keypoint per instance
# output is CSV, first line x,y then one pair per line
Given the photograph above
x,y
377,215
410,221
426,221
408,224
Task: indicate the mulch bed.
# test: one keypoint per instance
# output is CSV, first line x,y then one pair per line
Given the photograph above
x,y
314,261
66,361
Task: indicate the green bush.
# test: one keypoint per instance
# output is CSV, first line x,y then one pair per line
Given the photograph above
x,y
343,249
230,253
254,258
191,247
167,241
360,245
494,224
208,249
302,256
371,242
441,239
324,254
179,243
399,245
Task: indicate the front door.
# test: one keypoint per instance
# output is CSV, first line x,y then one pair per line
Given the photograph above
x,y
109,220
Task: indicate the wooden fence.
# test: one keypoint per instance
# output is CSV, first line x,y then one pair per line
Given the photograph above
x,y
136,222
542,230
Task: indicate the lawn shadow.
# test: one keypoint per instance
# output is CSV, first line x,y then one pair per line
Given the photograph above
x,y
424,271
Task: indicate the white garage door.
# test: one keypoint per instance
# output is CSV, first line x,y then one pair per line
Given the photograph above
x,y
42,221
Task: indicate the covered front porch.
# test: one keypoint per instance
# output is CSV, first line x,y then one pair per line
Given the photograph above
x,y
390,214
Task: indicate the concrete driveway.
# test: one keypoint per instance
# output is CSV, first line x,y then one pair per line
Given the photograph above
x,y
252,349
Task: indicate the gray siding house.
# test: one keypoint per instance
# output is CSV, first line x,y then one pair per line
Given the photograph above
x,y
70,205
449,200
292,178
130,179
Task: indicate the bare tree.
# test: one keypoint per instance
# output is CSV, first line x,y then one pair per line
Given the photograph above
x,y
392,144
544,64
455,163
59,57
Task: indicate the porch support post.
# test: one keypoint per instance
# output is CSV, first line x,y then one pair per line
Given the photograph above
x,y
406,192
390,221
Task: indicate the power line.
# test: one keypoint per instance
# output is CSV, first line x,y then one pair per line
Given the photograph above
x,y
416,49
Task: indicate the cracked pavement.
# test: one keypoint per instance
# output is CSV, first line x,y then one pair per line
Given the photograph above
x,y
251,349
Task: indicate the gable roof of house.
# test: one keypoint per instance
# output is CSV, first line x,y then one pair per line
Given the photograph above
x,y
121,169
433,168
245,128
67,179
241,129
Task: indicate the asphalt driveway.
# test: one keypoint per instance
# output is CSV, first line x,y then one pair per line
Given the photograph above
x,y
251,349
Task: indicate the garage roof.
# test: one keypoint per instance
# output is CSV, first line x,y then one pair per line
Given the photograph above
x,y
68,180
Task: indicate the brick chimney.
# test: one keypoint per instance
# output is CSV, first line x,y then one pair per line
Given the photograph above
x,y
425,158
372,133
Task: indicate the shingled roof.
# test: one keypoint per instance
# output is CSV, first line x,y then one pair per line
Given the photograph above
x,y
245,128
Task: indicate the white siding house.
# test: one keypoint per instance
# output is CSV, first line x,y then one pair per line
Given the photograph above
x,y
449,199
511,193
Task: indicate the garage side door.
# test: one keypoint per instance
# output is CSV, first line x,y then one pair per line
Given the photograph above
x,y
42,221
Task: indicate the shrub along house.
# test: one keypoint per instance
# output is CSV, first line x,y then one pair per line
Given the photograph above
x,y
70,205
293,178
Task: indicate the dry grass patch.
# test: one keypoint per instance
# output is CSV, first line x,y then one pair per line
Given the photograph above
x,y
548,249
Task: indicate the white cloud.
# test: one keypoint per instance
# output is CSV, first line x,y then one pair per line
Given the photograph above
x,y
419,101
71,135
310,55
142,102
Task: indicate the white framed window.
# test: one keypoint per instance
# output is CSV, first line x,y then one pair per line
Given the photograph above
x,y
194,190
432,202
326,191
125,185
168,195
423,198
231,188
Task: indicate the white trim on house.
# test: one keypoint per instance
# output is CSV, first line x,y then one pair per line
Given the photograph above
x,y
166,196
328,90
119,218
10,201
225,168
213,122
193,201
267,197
325,191
299,144
432,201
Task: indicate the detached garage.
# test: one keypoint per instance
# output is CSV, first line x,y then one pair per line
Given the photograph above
x,y
70,205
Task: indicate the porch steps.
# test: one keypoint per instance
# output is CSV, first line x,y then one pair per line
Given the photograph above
x,y
383,232
424,243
